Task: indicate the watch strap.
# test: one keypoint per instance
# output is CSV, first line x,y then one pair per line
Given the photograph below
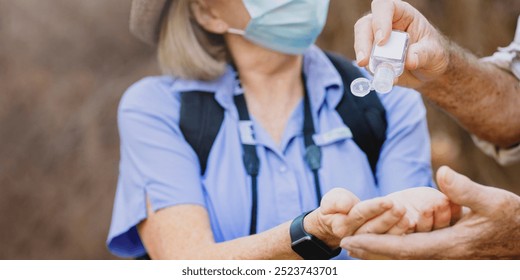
x,y
308,246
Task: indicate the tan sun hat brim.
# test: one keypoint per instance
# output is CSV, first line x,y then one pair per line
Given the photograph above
x,y
145,19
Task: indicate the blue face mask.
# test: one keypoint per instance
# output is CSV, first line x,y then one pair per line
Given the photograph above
x,y
286,26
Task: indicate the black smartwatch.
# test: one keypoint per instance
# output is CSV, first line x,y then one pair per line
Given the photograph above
x,y
308,246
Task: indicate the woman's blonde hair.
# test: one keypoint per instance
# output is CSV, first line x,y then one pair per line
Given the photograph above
x,y
185,49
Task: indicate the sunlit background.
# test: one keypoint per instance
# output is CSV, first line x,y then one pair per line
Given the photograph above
x,y
64,64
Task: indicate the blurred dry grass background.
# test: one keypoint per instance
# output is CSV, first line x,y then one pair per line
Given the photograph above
x,y
63,67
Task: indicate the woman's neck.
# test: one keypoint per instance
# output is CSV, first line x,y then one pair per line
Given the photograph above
x,y
272,83
266,75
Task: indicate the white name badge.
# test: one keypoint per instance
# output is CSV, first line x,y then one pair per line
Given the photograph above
x,y
331,136
247,134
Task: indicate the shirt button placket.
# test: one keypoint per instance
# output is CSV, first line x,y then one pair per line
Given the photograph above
x,y
287,193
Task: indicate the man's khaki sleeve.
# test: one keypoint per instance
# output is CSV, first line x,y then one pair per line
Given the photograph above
x,y
504,157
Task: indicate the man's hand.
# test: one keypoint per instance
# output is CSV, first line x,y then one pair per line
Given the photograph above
x,y
490,230
428,55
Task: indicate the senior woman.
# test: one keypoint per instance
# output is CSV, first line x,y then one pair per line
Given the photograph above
x,y
245,199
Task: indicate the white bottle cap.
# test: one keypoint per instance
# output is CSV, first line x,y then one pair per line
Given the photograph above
x,y
360,87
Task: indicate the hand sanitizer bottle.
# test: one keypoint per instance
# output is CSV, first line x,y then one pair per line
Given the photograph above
x,y
386,63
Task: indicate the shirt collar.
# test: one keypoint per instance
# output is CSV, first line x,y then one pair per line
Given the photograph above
x,y
322,76
223,87
319,70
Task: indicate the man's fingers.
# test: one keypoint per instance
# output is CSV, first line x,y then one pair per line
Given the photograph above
x,y
419,55
427,55
411,246
388,15
371,246
366,255
461,190
363,40
382,20
366,210
383,222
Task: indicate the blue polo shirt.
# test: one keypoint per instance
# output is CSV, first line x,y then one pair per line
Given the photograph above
x,y
158,163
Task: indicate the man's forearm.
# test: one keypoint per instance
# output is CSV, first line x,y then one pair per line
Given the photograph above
x,y
482,97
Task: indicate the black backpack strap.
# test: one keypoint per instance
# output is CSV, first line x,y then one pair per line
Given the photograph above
x,y
200,121
251,161
365,116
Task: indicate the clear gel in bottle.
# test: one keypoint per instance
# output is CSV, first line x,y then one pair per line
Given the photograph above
x,y
386,64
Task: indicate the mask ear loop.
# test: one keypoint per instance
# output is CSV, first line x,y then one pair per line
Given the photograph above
x,y
236,31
